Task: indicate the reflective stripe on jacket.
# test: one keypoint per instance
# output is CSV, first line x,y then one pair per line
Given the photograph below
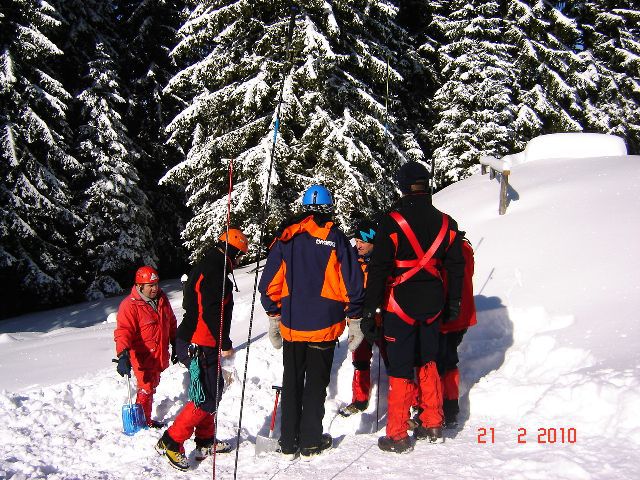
x,y
202,302
313,279
423,295
145,331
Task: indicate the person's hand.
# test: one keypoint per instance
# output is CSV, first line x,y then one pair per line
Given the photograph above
x,y
355,337
174,353
369,328
228,353
274,332
124,364
452,312
227,366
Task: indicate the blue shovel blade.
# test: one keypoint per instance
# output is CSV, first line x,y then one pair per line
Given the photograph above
x,y
141,420
131,415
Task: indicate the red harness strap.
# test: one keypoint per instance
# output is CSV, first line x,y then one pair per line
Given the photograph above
x,y
423,261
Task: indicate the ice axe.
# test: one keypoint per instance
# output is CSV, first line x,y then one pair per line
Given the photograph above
x,y
133,419
269,444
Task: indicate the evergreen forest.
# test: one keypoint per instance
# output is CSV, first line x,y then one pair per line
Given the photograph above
x,y
120,119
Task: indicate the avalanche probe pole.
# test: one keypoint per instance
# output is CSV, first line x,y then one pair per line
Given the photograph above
x,y
224,284
264,213
386,134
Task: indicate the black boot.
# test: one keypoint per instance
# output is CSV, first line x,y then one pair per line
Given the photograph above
x,y
432,434
451,410
326,442
388,444
353,408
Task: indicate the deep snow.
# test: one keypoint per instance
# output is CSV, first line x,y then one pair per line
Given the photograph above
x,y
556,347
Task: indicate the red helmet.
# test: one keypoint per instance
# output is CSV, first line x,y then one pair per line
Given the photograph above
x,y
147,274
236,239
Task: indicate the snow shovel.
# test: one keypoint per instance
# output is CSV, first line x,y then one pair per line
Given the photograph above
x,y
269,444
133,418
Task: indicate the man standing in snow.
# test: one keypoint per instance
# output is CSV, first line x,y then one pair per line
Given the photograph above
x,y
208,305
414,243
362,351
311,281
145,327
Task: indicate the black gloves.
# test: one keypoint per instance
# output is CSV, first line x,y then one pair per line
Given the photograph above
x,y
369,328
124,364
174,353
451,312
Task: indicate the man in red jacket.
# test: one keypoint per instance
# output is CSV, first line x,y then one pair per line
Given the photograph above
x,y
146,326
415,244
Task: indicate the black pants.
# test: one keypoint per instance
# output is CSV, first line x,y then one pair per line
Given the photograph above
x,y
409,346
448,351
209,375
307,370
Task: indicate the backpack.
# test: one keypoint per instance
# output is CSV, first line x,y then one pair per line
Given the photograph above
x,y
467,317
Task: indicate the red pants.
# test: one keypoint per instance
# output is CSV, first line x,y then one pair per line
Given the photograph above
x,y
190,419
147,381
408,345
405,393
361,357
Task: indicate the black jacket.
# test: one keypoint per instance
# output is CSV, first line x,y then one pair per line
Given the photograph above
x,y
422,295
202,301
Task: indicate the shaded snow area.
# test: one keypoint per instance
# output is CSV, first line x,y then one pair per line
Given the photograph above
x,y
553,362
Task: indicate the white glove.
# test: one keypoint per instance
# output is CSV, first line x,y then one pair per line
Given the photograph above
x,y
227,367
274,332
355,334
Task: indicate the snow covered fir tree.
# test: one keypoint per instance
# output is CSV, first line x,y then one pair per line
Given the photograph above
x,y
119,119
331,125
38,219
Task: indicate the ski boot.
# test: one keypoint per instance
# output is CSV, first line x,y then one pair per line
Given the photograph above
x,y
205,448
169,448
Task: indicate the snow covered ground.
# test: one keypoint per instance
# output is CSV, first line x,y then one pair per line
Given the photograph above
x,y
550,375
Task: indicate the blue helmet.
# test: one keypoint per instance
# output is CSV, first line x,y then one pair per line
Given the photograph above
x,y
317,195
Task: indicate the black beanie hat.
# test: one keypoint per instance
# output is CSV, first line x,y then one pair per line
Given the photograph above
x,y
365,230
412,173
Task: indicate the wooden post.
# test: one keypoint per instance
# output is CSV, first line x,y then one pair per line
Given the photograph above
x,y
483,169
492,173
504,187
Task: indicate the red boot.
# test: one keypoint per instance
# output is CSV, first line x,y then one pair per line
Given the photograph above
x,y
400,397
361,385
430,396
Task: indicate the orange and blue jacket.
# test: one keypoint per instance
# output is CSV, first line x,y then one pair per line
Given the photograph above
x,y
313,280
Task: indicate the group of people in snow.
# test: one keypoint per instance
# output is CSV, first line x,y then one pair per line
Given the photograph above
x,y
399,288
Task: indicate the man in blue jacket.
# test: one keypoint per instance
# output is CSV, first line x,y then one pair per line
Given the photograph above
x,y
311,282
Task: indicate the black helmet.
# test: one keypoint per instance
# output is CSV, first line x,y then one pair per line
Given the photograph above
x,y
412,173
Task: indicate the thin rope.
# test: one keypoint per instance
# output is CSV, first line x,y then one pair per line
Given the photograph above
x,y
264,216
196,392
